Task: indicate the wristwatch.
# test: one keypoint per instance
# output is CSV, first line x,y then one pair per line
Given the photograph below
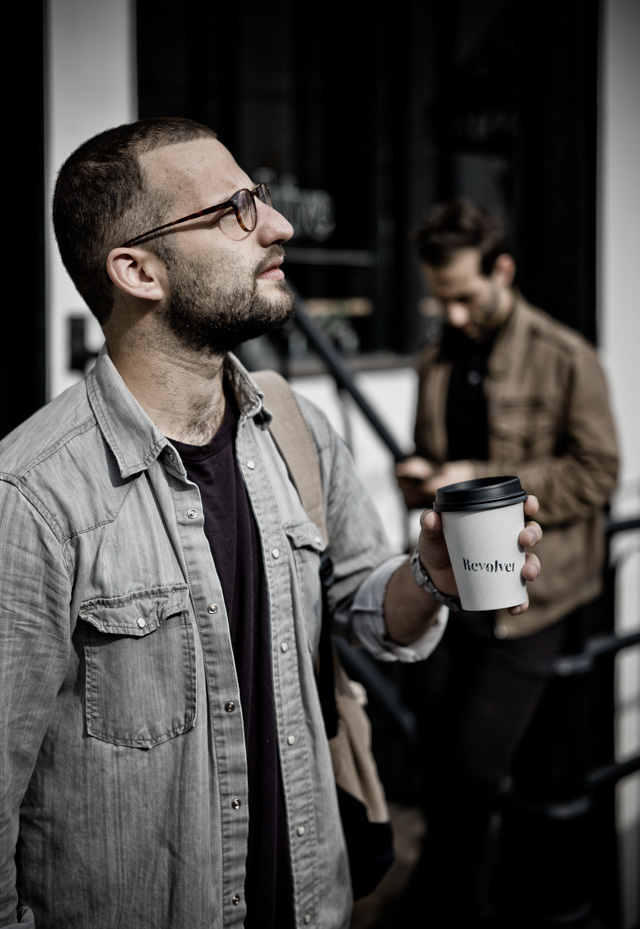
x,y
423,580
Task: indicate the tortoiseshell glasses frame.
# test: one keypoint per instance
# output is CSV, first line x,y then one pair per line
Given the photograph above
x,y
242,203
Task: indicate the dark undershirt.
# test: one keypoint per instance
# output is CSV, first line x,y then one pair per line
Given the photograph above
x,y
232,533
467,426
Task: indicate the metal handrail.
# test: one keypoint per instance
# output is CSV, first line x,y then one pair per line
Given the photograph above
x,y
343,376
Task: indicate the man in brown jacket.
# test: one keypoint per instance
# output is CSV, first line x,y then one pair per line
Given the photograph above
x,y
506,390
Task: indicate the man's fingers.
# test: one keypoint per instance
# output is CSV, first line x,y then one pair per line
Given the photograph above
x,y
416,469
431,524
530,535
516,610
532,567
531,505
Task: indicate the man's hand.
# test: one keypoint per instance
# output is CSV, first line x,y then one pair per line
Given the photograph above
x,y
451,472
412,476
418,479
409,610
435,556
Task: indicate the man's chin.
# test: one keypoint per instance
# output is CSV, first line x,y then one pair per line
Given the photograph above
x,y
278,290
277,303
218,330
266,317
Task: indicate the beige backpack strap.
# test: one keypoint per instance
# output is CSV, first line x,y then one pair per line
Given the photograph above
x,y
291,434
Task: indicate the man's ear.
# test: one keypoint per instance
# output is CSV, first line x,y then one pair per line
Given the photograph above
x,y
504,270
137,272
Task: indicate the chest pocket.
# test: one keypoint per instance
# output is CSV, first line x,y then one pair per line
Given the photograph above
x,y
525,426
139,652
306,545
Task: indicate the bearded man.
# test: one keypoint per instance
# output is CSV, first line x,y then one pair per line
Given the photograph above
x,y
164,758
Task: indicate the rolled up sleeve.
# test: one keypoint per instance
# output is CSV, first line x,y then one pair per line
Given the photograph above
x,y
368,625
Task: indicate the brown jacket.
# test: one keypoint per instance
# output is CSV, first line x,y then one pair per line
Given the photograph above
x,y
550,423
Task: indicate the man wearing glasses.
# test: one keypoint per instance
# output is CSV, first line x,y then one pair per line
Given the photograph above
x,y
164,762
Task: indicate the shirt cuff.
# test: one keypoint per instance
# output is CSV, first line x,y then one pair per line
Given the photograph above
x,y
368,625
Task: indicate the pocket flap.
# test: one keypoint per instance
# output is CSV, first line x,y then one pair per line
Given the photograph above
x,y
305,535
138,613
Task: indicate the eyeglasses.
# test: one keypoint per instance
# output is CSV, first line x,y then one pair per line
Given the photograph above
x,y
242,215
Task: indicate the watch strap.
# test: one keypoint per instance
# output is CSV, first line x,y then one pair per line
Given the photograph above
x,y
423,580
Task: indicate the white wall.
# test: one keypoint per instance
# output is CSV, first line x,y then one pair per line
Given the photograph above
x,y
619,286
90,86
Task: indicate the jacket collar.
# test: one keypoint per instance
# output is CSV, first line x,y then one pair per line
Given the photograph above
x,y
132,436
510,340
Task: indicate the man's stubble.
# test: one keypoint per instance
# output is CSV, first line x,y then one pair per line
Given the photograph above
x,y
211,311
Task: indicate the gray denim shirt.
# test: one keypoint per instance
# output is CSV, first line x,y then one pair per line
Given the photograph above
x,y
124,777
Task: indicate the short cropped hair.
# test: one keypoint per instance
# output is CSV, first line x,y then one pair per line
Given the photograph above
x,y
459,224
102,198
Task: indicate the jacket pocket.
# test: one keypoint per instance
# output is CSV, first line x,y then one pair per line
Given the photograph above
x,y
525,426
307,544
140,686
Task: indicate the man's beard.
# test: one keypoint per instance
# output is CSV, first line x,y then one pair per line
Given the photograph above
x,y
217,317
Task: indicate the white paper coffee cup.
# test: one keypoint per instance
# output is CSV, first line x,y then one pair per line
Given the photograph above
x,y
481,521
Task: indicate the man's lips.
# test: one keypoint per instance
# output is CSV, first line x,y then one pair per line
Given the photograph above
x,y
272,271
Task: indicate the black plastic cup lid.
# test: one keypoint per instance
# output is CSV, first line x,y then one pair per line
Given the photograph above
x,y
482,493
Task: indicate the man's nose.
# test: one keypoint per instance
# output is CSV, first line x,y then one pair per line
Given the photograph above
x,y
457,314
272,227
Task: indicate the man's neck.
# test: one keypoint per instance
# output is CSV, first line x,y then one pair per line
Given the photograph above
x,y
180,390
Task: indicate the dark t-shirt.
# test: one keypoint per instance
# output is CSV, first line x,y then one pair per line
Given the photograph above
x,y
467,427
233,536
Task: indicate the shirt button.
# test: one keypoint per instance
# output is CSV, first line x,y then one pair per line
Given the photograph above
x,y
141,621
212,608
172,457
276,552
230,706
301,830
236,803
235,899
284,647
291,739
251,464
307,918
191,514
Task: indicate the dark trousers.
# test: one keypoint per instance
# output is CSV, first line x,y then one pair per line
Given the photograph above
x,y
474,698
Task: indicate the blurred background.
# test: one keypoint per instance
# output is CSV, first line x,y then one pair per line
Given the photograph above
x,y
359,124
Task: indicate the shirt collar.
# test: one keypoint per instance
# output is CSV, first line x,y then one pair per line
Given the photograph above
x,y
132,436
